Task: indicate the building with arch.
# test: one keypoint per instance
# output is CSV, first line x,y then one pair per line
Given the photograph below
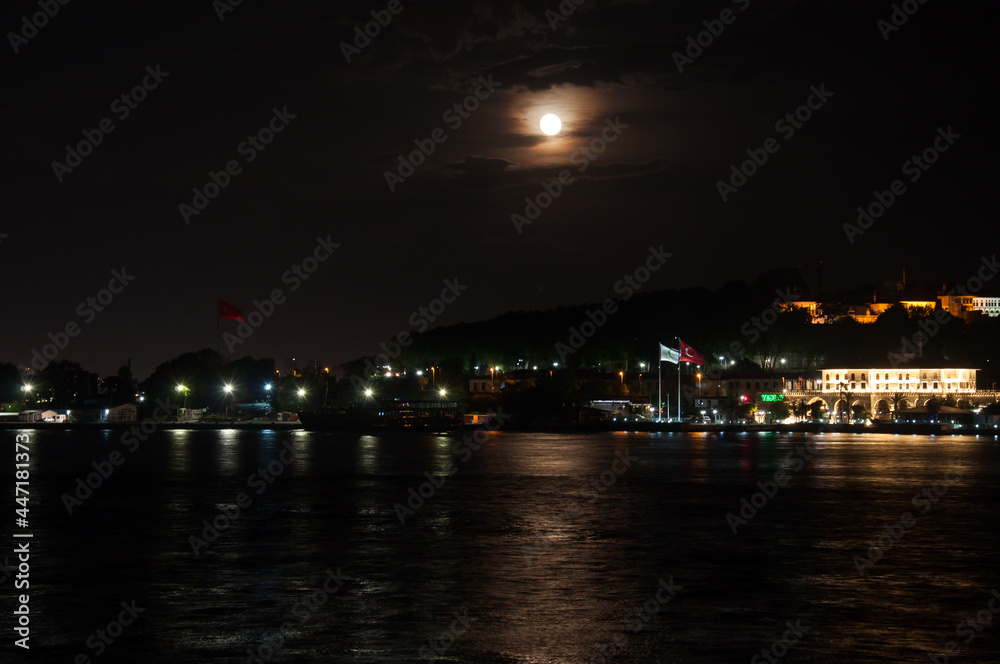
x,y
884,390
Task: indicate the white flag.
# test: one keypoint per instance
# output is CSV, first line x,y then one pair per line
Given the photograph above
x,y
669,354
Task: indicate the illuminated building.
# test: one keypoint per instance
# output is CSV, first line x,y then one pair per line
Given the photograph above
x,y
883,390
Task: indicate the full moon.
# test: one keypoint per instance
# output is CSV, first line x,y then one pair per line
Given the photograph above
x,y
551,124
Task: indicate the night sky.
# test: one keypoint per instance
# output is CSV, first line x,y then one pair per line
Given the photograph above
x,y
608,64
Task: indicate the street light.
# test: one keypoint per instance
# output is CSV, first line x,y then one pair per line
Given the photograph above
x,y
183,390
368,392
443,392
26,388
228,389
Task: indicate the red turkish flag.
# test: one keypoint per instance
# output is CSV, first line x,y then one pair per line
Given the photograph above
x,y
689,354
227,310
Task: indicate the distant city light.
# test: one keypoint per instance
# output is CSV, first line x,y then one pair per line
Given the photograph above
x,y
268,387
227,388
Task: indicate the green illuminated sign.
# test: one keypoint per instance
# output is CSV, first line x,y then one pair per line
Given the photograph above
x,y
772,397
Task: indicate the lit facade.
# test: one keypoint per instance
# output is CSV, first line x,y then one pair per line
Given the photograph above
x,y
935,381
862,313
957,305
883,390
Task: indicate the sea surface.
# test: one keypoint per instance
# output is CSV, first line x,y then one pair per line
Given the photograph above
x,y
536,548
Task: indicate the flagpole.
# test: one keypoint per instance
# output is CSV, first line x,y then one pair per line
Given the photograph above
x,y
659,389
679,380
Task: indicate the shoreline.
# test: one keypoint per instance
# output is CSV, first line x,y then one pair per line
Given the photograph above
x,y
597,427
124,426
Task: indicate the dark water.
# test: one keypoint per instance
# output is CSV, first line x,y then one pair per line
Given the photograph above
x,y
510,560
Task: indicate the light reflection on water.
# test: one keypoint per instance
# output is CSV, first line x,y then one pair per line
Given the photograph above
x,y
464,548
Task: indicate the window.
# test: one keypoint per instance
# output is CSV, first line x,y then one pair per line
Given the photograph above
x,y
852,377
828,378
878,376
907,376
838,376
900,377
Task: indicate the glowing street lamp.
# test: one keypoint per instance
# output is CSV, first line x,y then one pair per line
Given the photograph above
x,y
443,392
26,389
183,390
228,390
368,392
